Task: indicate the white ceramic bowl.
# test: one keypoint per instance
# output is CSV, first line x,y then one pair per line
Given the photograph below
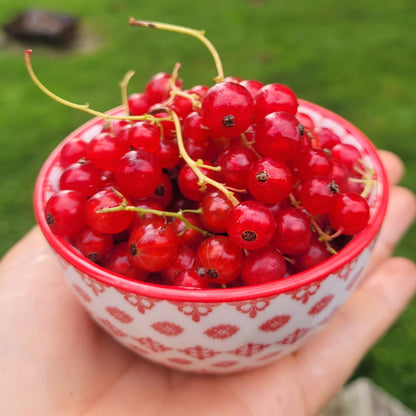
x,y
218,330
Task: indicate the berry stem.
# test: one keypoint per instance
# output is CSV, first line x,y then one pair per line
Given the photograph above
x,y
123,86
142,211
83,107
199,34
202,179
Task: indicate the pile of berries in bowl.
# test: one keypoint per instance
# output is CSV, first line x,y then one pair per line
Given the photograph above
x,y
215,228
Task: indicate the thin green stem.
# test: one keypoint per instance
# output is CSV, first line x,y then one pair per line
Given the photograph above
x,y
82,107
123,86
198,34
203,180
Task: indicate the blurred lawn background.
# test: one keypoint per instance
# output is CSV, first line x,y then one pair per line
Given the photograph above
x,y
356,58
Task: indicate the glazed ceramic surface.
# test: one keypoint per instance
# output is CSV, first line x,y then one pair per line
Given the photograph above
x,y
218,330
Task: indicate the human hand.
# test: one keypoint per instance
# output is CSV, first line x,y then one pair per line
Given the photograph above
x,y
56,361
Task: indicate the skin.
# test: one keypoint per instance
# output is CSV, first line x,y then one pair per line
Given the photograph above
x,y
55,361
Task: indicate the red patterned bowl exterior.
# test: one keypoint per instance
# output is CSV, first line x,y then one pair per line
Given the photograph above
x,y
218,330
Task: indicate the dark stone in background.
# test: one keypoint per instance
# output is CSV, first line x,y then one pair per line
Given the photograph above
x,y
38,26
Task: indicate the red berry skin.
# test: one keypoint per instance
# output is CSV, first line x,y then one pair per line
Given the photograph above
x,y
153,246
189,237
316,194
105,150
227,109
144,135
293,231
138,173
167,153
252,86
349,213
215,208
107,222
65,212
117,261
270,181
346,153
93,244
191,279
73,151
81,176
313,162
327,138
138,104
158,87
251,225
220,258
163,194
275,97
316,254
184,260
262,266
188,182
234,163
278,136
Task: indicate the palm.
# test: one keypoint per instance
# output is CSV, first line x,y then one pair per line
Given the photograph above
x,y
58,361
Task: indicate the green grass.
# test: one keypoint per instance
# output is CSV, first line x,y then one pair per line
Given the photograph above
x,y
357,59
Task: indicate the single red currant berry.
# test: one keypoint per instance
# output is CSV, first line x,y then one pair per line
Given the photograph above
x,y
144,135
138,173
306,121
234,163
107,222
203,149
184,260
189,184
72,151
105,150
313,162
270,181
220,258
191,279
293,231
275,97
278,135
81,176
348,154
163,194
227,109
93,244
193,127
117,261
153,246
159,86
215,208
314,255
252,86
199,90
250,225
65,212
167,153
114,126
182,106
317,193
189,236
327,138
349,213
138,103
264,265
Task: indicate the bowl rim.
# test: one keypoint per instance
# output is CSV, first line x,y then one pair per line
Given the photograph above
x,y
360,242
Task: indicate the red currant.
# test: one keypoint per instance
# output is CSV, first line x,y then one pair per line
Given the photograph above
x,y
227,109
250,225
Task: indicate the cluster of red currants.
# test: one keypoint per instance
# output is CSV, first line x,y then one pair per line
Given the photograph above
x,y
210,187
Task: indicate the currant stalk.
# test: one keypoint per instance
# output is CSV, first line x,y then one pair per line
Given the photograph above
x,y
198,34
195,165
83,107
124,206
